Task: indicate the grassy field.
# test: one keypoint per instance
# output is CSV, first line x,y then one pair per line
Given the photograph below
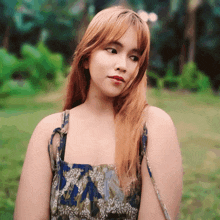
x,y
197,119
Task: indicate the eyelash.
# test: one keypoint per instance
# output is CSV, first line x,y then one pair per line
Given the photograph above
x,y
135,58
110,50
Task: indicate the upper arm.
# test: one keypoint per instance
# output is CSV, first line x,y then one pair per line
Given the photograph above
x,y
165,160
33,197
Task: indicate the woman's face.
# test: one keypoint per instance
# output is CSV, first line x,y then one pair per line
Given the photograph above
x,y
114,66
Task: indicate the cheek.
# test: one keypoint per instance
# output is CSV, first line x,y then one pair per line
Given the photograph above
x,y
134,72
98,61
133,76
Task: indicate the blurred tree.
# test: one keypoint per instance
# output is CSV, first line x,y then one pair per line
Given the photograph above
x,y
167,36
189,42
7,11
183,32
84,22
190,29
175,6
27,19
208,41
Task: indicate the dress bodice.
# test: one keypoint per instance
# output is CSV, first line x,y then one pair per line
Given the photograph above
x,y
83,191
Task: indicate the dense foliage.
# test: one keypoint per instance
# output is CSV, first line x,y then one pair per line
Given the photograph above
x,y
38,70
174,41
191,79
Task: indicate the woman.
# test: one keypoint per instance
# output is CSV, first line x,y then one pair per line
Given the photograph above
x,y
98,166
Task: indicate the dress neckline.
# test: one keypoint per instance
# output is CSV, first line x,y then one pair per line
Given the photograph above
x,y
86,165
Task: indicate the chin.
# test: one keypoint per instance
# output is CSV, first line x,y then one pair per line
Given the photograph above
x,y
113,94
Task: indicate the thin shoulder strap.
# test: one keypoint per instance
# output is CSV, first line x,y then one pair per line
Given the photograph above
x,y
144,150
65,121
64,130
162,205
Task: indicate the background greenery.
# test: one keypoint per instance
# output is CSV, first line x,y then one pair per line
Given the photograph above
x,y
186,31
37,40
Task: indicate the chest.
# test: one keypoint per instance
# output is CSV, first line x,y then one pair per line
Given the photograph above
x,y
90,142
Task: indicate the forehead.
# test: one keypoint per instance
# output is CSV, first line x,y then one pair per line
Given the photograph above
x,y
129,38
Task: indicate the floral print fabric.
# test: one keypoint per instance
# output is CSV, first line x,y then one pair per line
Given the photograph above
x,y
82,191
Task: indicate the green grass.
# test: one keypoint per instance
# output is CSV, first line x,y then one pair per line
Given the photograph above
x,y
18,118
196,117
197,120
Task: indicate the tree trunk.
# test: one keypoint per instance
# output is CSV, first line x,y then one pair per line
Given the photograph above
x,y
182,58
189,46
84,22
6,38
190,28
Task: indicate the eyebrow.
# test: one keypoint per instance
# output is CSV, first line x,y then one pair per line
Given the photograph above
x,y
121,45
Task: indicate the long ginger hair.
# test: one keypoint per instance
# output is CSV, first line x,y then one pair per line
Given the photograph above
x,y
107,26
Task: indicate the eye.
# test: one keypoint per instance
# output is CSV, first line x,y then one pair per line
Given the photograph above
x,y
134,58
111,50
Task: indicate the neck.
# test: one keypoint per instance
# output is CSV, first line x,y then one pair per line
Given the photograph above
x,y
100,106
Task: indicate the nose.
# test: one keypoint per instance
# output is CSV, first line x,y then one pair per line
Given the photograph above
x,y
121,64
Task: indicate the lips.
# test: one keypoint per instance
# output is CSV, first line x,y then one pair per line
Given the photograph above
x,y
119,78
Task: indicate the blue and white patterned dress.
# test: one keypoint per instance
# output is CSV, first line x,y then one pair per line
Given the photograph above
x,y
82,191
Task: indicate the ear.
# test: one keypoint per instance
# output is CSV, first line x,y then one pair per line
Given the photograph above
x,y
86,64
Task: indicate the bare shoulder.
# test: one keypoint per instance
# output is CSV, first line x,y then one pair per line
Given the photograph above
x,y
49,123
162,137
157,117
160,126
